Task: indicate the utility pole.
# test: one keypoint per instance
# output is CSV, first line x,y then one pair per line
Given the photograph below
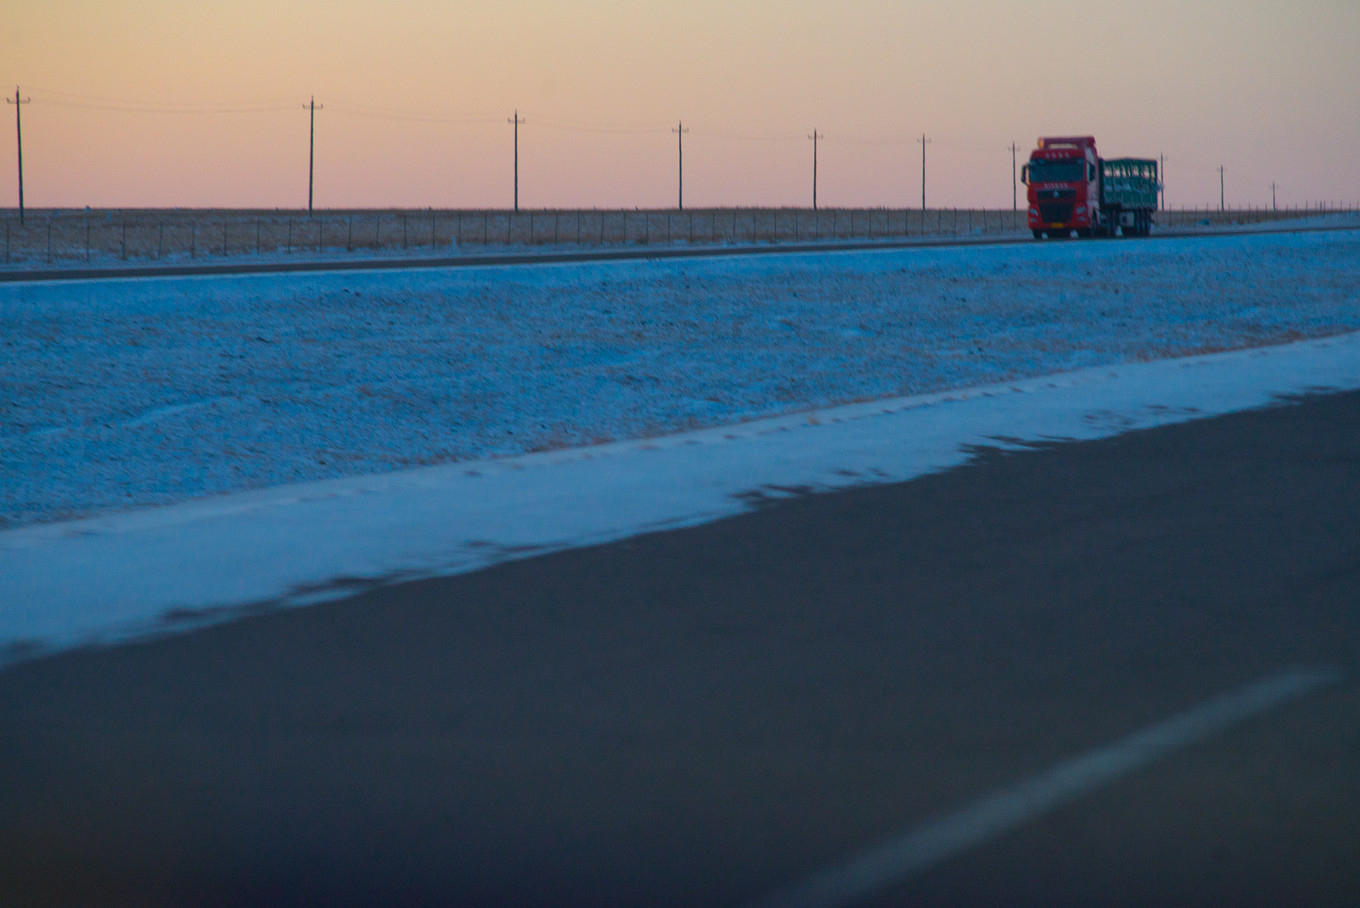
x,y
1221,204
1015,205
1273,206
815,135
19,134
680,131
924,142
1161,180
516,120
311,150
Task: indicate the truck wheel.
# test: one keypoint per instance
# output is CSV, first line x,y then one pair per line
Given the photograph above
x,y
1038,234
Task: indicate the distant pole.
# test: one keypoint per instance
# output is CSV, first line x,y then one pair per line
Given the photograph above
x,y
1222,206
516,120
1273,206
680,131
19,134
311,150
1015,205
924,142
814,138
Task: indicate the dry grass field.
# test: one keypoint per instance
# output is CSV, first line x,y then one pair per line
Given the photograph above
x,y
73,236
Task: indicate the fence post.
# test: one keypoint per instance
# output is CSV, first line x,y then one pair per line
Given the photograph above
x,y
289,247
49,239
225,228
193,240
257,236
87,237
160,239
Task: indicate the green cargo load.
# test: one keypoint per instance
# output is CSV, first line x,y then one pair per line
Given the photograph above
x,y
1128,183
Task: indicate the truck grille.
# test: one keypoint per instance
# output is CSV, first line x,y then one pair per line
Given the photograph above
x,y
1055,212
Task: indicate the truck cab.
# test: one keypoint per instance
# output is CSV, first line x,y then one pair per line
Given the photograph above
x,y
1062,180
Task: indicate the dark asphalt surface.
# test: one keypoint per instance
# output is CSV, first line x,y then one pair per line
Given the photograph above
x,y
542,256
552,256
701,716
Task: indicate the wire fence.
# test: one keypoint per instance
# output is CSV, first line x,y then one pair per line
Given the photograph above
x,y
66,236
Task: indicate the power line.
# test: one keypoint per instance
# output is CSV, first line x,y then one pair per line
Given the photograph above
x,y
749,137
616,128
148,109
881,142
125,105
79,101
359,110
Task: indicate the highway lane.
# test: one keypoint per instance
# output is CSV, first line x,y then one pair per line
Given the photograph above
x,y
707,715
551,256
542,256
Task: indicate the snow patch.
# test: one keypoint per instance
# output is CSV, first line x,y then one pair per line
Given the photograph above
x,y
165,570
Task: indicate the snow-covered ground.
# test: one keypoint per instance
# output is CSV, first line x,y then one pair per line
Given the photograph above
x,y
194,391
126,393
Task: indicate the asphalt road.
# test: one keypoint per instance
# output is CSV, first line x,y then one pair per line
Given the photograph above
x,y
550,256
707,715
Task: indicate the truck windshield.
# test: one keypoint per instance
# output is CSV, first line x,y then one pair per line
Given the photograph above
x,y
1069,171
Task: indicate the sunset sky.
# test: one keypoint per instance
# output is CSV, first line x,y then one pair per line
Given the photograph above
x,y
140,103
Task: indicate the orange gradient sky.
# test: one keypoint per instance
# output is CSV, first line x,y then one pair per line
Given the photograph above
x,y
142,103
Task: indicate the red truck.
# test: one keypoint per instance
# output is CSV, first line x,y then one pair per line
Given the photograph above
x,y
1073,191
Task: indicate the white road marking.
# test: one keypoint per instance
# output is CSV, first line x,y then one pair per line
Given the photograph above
x,y
898,859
